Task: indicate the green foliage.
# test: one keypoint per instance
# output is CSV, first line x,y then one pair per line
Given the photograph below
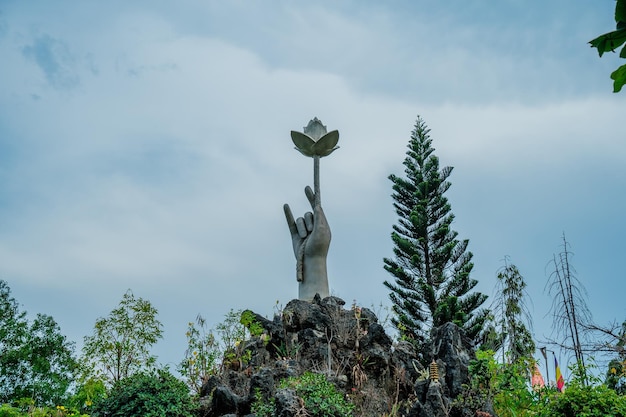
x,y
209,350
87,393
27,409
449,310
202,355
120,344
36,360
431,266
7,411
147,394
262,407
584,401
230,331
52,364
513,398
13,335
616,371
321,398
611,41
512,319
288,350
249,321
584,374
505,387
616,376
619,77
502,386
480,390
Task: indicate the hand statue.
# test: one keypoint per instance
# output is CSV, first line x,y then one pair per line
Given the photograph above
x,y
310,236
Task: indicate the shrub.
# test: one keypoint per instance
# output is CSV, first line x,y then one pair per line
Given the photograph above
x,y
87,393
616,376
506,387
7,411
147,394
502,387
320,397
262,407
27,409
584,401
202,356
513,397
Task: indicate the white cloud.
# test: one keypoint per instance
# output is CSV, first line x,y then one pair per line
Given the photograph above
x,y
166,169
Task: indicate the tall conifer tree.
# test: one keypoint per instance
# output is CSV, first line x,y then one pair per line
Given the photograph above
x,y
431,267
511,314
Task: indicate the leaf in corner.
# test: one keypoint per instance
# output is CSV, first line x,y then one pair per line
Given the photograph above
x,y
609,41
620,11
619,78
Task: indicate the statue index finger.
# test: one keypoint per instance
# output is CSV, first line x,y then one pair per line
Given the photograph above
x,y
310,195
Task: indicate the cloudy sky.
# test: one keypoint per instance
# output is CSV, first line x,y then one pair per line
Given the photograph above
x,y
145,145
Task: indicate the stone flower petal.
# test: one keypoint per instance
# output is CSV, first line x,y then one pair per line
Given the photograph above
x,y
304,143
315,129
305,153
326,143
327,152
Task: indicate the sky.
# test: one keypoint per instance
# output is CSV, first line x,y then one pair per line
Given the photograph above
x,y
145,145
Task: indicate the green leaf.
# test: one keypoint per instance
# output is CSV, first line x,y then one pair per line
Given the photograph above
x,y
599,43
620,11
619,78
609,41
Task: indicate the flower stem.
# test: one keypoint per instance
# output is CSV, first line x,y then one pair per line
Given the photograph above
x,y
316,180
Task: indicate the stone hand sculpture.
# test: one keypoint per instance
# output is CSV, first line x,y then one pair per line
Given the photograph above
x,y
310,234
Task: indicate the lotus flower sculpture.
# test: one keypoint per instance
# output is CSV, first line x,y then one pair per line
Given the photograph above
x,y
310,233
315,141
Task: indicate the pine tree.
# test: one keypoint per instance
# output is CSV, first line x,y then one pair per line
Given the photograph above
x,y
431,267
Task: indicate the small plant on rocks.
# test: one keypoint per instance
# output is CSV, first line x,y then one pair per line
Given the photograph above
x,y
321,398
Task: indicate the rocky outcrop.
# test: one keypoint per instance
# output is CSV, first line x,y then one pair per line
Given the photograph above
x,y
453,352
352,349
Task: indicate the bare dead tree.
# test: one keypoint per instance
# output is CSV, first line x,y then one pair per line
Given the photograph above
x,y
609,339
569,308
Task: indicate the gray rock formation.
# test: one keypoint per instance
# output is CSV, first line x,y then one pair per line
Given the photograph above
x,y
353,350
453,351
